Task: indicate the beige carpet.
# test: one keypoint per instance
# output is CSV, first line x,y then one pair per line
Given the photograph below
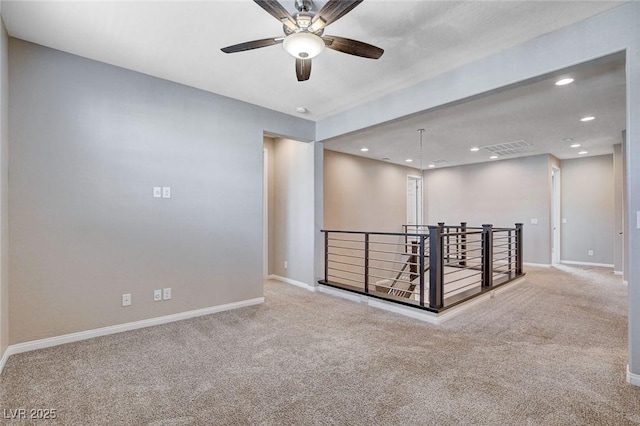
x,y
549,351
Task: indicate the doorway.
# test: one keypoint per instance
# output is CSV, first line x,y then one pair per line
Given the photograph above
x,y
555,216
265,213
414,200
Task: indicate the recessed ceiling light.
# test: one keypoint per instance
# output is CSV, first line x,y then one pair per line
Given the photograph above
x,y
364,149
301,110
575,145
493,157
431,166
583,152
408,160
564,82
474,149
568,139
588,118
386,159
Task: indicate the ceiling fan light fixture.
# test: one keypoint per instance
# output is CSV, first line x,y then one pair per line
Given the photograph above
x,y
303,45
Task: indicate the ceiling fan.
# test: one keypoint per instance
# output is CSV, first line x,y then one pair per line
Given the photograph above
x,y
304,33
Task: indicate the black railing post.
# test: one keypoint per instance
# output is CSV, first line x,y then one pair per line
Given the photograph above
x,y
366,262
326,256
421,262
444,229
518,249
510,267
463,247
487,256
436,260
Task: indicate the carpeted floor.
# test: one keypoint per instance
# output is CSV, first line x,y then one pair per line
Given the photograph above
x,y
549,351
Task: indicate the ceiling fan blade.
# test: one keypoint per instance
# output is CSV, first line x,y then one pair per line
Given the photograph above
x,y
275,9
352,47
331,12
303,69
250,45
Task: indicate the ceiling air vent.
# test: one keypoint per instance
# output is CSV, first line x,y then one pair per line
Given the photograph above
x,y
515,147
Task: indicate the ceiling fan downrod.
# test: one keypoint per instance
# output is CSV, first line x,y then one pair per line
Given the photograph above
x,y
304,5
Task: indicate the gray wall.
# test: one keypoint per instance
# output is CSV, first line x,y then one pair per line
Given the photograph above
x,y
589,210
362,194
88,141
4,192
501,193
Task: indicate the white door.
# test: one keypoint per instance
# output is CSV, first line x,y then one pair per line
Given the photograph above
x,y
555,219
414,202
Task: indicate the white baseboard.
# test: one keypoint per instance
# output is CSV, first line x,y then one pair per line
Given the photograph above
x,y
293,282
537,265
633,378
572,262
104,331
4,359
618,273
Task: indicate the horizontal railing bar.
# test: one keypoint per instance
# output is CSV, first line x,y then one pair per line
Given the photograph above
x,y
390,279
391,270
463,287
345,271
460,260
458,270
391,261
346,248
345,263
400,234
343,278
508,253
463,278
371,242
348,241
345,255
461,251
453,234
505,258
401,253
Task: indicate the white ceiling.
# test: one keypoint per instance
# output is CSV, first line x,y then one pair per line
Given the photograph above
x,y
181,40
539,112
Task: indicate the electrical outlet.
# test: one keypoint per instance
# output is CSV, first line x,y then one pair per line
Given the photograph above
x,y
285,264
166,192
126,299
590,252
157,295
157,192
166,293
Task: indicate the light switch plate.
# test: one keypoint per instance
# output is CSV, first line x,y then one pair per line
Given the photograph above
x,y
534,221
166,192
564,220
157,295
166,293
157,192
126,299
